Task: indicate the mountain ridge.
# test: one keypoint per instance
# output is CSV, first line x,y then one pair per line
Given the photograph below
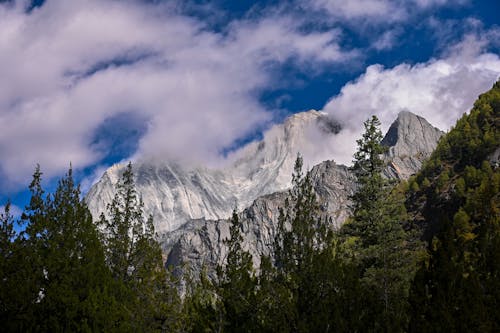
x,y
198,240
174,194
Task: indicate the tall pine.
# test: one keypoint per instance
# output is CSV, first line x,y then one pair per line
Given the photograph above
x,y
237,282
301,236
135,259
66,285
376,227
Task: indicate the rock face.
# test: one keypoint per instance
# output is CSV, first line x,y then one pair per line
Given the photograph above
x,y
191,207
200,243
176,194
411,140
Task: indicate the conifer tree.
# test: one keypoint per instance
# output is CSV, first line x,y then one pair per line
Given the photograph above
x,y
135,259
237,282
203,310
301,235
10,282
378,214
66,277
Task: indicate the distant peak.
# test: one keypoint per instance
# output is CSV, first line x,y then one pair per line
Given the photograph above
x,y
409,125
303,116
405,114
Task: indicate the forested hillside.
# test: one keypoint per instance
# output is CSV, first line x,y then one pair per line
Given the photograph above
x,y
456,199
416,256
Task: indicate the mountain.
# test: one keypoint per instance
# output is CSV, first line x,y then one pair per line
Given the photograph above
x,y
191,206
411,140
200,243
175,194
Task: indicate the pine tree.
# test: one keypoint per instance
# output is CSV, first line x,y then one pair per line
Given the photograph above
x,y
135,259
203,310
237,282
10,279
378,213
372,187
300,237
63,271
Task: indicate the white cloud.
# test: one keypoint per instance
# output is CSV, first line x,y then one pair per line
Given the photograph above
x,y
386,40
377,11
439,90
359,8
68,66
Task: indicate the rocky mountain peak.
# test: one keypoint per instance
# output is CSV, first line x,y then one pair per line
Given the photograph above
x,y
411,139
191,206
175,194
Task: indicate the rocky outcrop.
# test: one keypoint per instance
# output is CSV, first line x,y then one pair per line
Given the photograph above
x,y
411,140
200,243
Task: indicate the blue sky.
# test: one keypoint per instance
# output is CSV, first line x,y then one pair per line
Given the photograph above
x,y
95,82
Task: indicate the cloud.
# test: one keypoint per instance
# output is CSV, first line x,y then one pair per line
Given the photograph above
x,y
377,11
386,40
68,67
359,8
440,90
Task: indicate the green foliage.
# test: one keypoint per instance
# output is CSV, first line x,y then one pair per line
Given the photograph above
x,y
135,260
56,266
203,310
381,244
461,211
311,287
237,283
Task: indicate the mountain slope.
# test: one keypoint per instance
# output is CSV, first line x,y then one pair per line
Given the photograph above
x,y
175,194
456,200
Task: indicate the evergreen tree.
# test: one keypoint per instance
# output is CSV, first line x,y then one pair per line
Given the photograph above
x,y
301,235
23,271
135,259
457,288
203,310
381,243
237,282
10,282
63,264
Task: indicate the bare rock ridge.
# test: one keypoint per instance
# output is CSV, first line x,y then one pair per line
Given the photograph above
x,y
411,140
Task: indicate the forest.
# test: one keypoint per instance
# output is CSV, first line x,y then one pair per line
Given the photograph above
x,y
421,255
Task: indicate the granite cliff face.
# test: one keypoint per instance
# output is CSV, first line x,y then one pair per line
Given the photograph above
x,y
191,207
176,194
411,140
200,243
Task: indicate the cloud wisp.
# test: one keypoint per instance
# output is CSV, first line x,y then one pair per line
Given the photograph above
x,y
90,82
69,66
